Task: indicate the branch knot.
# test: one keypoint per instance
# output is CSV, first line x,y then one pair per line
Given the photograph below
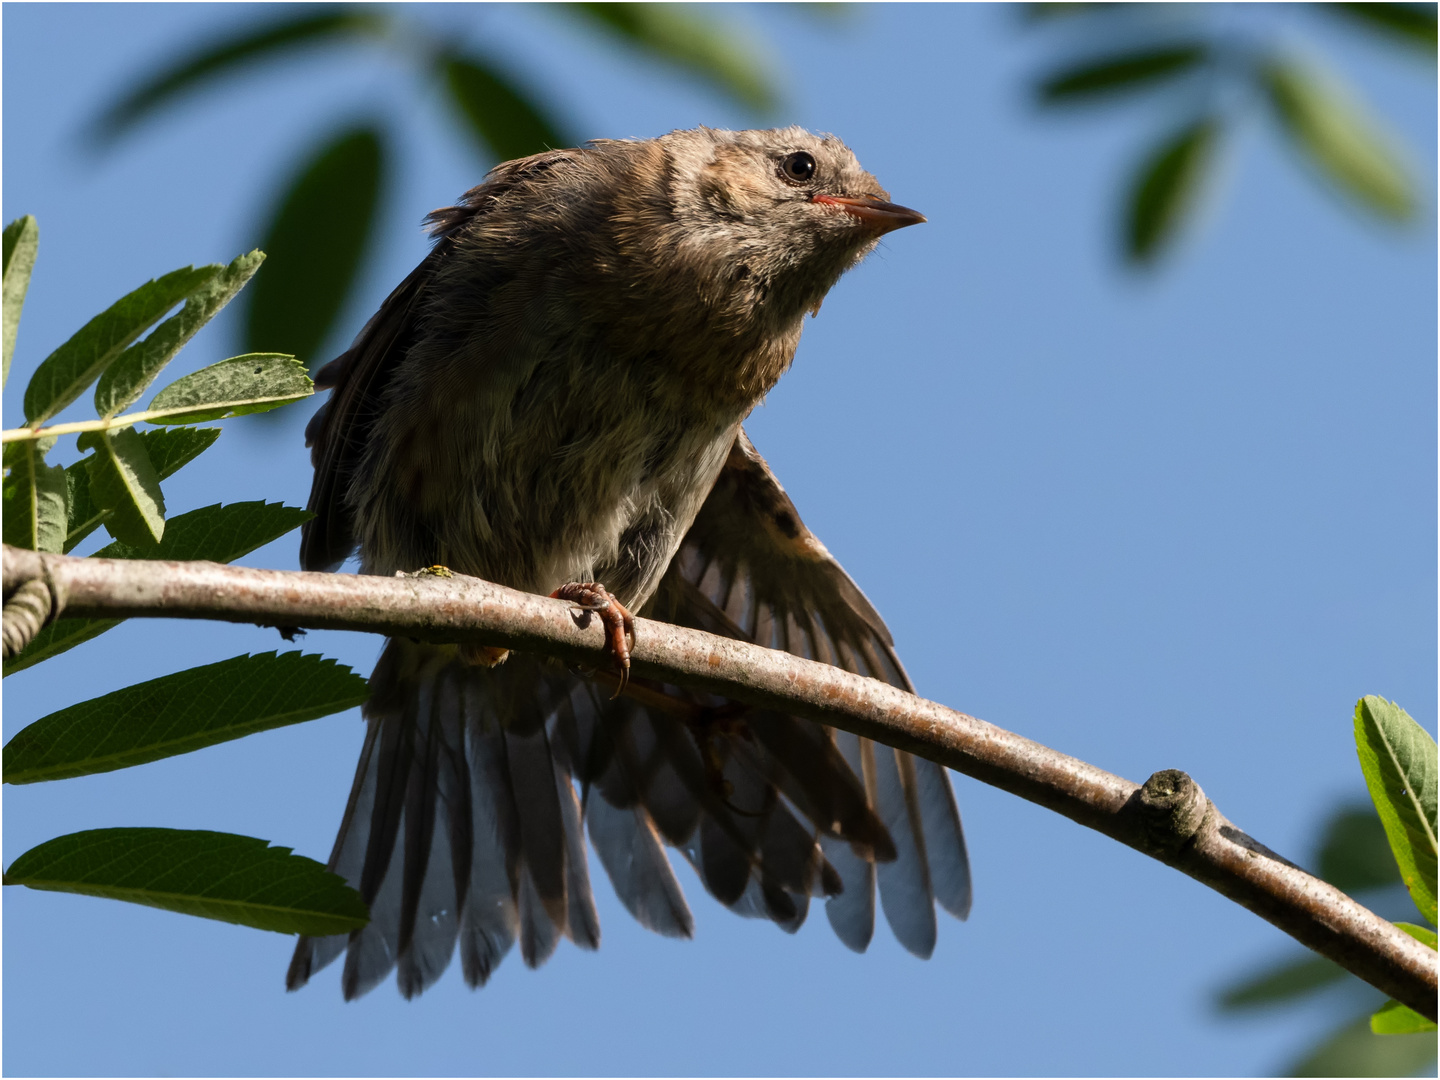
x,y
1169,809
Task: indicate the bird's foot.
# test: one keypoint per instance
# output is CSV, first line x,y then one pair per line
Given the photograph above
x,y
591,598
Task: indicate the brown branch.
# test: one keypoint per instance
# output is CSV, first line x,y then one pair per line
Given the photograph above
x,y
1169,818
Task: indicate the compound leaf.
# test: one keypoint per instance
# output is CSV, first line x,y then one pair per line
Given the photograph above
x,y
179,713
126,379
235,879
255,382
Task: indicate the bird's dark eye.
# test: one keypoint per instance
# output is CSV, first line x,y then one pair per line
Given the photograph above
x,y
798,167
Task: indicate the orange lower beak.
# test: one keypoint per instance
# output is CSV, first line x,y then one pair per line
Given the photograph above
x,y
880,216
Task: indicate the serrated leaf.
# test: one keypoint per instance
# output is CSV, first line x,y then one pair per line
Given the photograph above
x,y
34,510
1354,854
21,245
1333,130
1354,1050
216,533
168,450
253,383
1414,23
1121,73
1165,188
64,374
697,45
123,482
317,239
180,713
1394,1018
1279,983
231,54
235,879
502,117
1398,758
126,379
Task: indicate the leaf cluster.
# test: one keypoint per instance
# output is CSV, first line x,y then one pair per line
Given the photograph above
x,y
117,485
1368,849
323,217
1205,79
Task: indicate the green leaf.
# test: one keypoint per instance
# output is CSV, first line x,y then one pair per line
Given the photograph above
x,y
124,483
1394,1018
503,118
1399,761
1422,934
1121,73
232,54
1353,1050
64,374
253,383
34,497
235,879
1280,983
1165,189
1354,854
705,48
126,379
1414,23
180,713
1334,131
168,451
217,533
317,240
21,245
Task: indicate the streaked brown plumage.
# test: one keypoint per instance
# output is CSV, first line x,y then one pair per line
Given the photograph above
x,y
555,395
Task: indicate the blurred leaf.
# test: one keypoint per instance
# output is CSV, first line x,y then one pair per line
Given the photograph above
x,y
1394,1018
180,713
253,383
1414,22
1334,131
126,379
34,497
1354,1051
1398,757
502,118
229,55
235,879
696,44
1046,11
21,244
1280,983
1121,73
1354,854
168,451
316,242
1165,187
124,483
217,533
64,374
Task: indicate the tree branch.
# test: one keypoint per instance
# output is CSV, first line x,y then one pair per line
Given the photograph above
x,y
1169,818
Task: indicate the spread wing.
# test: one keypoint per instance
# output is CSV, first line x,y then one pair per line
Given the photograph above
x,y
748,568
338,431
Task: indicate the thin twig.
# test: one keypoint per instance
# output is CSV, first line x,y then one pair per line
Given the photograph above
x,y
1169,818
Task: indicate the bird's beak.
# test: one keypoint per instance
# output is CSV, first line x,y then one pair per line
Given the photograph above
x,y
880,216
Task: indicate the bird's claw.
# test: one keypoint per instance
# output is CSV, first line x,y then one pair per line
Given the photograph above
x,y
591,598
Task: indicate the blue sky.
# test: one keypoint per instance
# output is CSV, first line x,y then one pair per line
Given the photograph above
x,y
1181,521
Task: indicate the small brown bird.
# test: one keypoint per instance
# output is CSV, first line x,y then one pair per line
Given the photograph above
x,y
552,400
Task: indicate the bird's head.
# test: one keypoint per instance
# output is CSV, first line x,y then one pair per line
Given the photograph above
x,y
780,213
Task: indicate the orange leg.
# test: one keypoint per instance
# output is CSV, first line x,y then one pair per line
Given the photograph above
x,y
590,598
